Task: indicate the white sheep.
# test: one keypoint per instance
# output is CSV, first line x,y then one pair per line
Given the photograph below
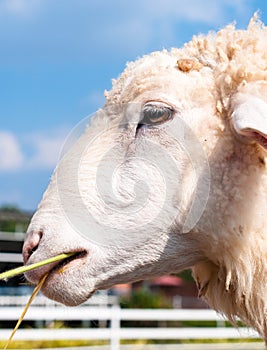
x,y
170,175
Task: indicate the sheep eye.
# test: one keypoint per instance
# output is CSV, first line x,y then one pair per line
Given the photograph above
x,y
155,114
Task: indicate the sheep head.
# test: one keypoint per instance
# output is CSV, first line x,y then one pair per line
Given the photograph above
x,y
170,174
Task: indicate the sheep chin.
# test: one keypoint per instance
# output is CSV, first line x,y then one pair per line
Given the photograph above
x,y
66,288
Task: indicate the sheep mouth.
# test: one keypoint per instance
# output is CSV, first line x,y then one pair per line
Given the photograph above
x,y
67,263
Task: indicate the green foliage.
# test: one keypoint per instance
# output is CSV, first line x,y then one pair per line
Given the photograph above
x,y
7,226
186,275
13,219
41,344
144,299
10,208
46,344
12,226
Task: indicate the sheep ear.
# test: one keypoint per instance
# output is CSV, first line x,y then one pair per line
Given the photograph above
x,y
249,118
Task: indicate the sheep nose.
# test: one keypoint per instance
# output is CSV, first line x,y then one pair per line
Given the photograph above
x,y
31,244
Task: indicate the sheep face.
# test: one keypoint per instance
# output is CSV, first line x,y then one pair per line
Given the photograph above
x,y
170,174
124,194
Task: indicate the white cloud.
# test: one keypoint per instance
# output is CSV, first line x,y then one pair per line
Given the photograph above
x,y
135,26
207,11
19,7
38,150
11,156
84,31
45,148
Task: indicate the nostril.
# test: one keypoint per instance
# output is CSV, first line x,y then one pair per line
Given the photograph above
x,y
33,250
31,244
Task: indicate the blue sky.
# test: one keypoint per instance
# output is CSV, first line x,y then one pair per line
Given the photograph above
x,y
57,58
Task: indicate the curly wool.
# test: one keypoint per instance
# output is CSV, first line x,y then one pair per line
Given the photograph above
x,y
233,277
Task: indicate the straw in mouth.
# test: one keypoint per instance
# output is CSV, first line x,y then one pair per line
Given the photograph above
x,y
22,269
36,290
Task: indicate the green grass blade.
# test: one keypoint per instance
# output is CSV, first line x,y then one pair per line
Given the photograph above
x,y
23,269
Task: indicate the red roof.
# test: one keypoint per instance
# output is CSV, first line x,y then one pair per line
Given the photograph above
x,y
171,281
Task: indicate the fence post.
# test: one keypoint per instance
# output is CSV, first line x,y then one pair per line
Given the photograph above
x,y
115,324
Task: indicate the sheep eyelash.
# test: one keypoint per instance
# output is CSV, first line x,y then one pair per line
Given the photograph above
x,y
154,114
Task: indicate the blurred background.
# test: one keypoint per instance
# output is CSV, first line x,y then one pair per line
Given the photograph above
x,y
58,57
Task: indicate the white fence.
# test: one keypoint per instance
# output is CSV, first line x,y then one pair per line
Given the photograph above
x,y
113,330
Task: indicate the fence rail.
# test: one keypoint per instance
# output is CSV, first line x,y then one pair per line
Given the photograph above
x,y
114,331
